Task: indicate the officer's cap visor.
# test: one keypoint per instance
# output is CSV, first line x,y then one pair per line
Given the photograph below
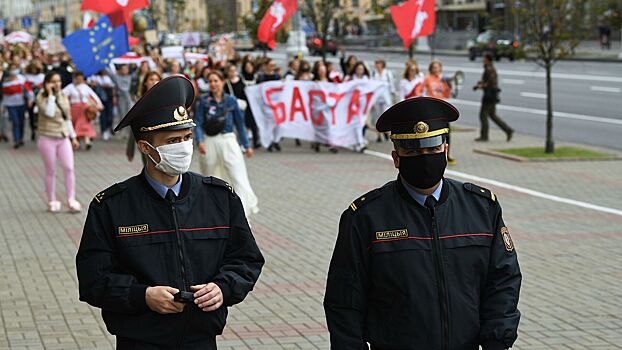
x,y
434,141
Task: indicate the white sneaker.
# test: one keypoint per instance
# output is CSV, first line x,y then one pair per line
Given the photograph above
x,y
74,206
54,206
106,135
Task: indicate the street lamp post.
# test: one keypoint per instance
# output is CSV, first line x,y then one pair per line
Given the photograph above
x,y
296,40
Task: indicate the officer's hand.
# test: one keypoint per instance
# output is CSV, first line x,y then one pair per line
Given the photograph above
x,y
202,148
160,300
208,296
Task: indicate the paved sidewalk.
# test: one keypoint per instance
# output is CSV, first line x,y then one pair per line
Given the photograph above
x,y
571,257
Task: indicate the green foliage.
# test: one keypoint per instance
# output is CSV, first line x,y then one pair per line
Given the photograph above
x,y
252,20
560,152
320,13
551,29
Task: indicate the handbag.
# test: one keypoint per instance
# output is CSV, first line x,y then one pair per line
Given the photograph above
x,y
215,125
90,112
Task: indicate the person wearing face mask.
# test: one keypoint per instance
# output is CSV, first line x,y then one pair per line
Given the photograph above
x,y
424,262
166,252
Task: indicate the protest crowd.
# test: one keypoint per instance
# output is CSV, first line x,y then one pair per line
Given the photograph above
x,y
100,99
91,105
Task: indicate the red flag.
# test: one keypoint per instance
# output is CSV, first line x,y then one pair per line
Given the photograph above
x,y
118,11
278,13
413,19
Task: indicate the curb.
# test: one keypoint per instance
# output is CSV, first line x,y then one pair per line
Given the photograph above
x,y
542,160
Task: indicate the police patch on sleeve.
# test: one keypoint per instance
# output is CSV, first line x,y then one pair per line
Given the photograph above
x,y
507,239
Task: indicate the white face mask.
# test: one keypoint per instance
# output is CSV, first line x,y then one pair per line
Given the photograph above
x,y
174,158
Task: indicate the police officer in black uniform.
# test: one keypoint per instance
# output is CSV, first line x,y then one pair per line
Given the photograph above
x,y
164,253
423,262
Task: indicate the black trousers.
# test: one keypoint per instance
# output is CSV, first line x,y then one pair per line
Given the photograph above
x,y
131,344
489,110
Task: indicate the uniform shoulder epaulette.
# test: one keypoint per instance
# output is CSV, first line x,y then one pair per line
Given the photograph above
x,y
210,180
364,199
109,192
484,192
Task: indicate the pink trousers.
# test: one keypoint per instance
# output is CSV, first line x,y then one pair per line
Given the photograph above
x,y
51,149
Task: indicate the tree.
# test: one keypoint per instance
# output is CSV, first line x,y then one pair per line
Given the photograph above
x,y
552,29
320,13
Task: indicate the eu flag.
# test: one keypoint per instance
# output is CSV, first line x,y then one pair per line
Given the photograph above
x,y
92,49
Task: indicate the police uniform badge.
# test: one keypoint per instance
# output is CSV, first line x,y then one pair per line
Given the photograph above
x,y
180,113
507,240
421,127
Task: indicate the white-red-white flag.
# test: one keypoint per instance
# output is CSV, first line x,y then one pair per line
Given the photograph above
x,y
413,19
278,13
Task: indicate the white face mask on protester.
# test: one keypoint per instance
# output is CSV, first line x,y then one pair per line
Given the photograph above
x,y
174,158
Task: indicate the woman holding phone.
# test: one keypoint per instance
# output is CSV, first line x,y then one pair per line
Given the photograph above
x,y
56,140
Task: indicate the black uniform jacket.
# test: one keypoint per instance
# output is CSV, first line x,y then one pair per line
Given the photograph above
x,y
405,277
133,238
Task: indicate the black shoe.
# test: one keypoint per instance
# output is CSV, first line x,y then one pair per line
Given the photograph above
x,y
297,143
509,135
16,146
88,146
333,150
256,145
316,147
481,139
277,147
21,143
270,148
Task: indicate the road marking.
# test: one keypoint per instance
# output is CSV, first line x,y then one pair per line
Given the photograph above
x,y
605,89
533,94
517,188
562,115
502,72
512,81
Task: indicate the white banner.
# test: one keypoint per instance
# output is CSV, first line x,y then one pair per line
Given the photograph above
x,y
315,111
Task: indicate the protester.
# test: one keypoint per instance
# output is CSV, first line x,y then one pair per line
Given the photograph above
x,y
434,85
17,96
56,139
201,81
85,105
347,65
292,69
122,80
3,76
269,74
320,74
235,86
137,80
386,98
216,116
34,80
359,72
103,86
411,84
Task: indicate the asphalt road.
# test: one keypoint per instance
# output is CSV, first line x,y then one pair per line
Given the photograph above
x,y
587,96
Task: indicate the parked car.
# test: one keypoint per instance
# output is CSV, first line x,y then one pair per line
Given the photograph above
x,y
314,44
498,44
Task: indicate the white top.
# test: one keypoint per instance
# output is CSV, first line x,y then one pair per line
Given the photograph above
x,y
406,87
81,94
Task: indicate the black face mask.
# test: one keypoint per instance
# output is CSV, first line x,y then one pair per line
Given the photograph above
x,y
423,171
